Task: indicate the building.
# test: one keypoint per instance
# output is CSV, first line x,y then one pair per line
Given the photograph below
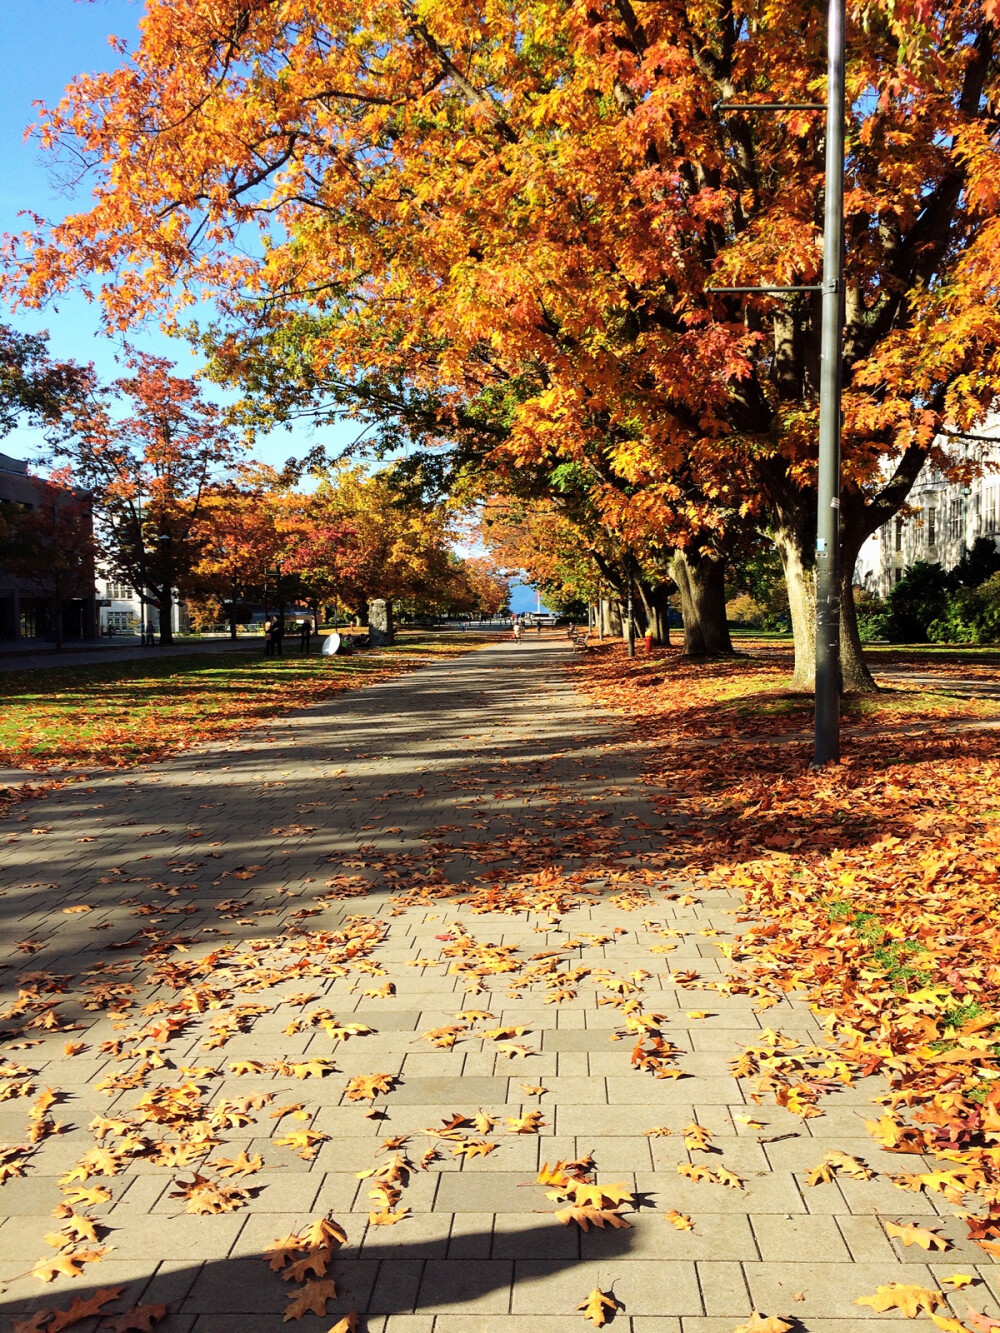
x,y
120,609
31,605
942,522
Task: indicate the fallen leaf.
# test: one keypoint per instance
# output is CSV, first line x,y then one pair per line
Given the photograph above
x,y
758,1324
139,1320
311,1299
914,1235
83,1308
596,1306
910,1300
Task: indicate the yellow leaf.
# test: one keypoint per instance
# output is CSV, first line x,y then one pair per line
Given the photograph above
x,y
910,1300
959,1280
913,1235
385,1218
697,1138
758,1324
595,1306
679,1220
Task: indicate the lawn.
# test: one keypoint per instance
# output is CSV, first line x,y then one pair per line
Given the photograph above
x,y
748,693
125,713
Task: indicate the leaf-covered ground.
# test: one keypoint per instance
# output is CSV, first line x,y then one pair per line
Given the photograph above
x,y
442,1005
125,713
872,886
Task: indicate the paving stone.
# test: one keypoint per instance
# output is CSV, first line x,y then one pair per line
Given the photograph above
x,y
476,1286
810,1239
645,1286
830,1289
723,1288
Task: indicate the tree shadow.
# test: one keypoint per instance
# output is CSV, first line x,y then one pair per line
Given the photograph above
x,y
469,1274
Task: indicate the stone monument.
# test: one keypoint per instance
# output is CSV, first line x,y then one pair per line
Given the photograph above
x,y
380,631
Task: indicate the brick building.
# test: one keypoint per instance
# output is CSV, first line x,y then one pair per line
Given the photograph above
x,y
28,609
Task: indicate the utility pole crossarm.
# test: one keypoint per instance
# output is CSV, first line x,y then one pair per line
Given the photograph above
x,y
770,106
776,291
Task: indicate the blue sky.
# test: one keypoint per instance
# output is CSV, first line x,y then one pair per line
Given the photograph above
x,y
45,43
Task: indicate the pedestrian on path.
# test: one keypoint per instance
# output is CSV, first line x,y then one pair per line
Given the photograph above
x,y
517,631
270,635
305,634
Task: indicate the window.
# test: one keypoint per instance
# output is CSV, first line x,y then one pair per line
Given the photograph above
x,y
899,534
120,592
932,527
897,576
990,510
955,520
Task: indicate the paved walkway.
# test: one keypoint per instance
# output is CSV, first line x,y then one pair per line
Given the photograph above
x,y
466,852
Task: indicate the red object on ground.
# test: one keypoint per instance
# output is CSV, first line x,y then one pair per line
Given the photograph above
x,y
648,641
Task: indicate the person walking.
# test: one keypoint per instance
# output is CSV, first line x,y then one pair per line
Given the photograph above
x,y
517,631
305,634
279,633
269,637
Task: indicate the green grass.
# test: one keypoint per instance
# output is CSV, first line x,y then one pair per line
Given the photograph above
x,y
121,713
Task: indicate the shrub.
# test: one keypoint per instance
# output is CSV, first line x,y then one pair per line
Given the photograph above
x,y
872,614
971,616
920,598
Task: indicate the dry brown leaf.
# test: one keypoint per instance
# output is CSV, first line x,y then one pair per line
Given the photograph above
x,y
914,1235
586,1217
597,1306
139,1320
758,1324
311,1299
909,1299
83,1308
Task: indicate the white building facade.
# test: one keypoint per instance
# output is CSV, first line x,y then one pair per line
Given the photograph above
x,y
942,521
121,612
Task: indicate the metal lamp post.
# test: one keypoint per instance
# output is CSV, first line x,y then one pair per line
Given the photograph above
x,y
828,572
828,480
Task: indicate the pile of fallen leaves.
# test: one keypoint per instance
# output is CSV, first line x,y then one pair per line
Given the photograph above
x,y
125,713
874,887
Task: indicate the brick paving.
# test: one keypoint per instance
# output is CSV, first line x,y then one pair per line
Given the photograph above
x,y
480,810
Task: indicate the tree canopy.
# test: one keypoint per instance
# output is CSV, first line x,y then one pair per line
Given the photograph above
x,y
520,210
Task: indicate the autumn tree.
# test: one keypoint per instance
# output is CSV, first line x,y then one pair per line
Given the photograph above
x,y
532,201
237,541
383,544
488,590
148,448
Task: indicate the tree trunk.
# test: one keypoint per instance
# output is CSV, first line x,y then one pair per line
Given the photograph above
x,y
58,627
800,577
701,582
656,607
613,626
165,605
856,677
